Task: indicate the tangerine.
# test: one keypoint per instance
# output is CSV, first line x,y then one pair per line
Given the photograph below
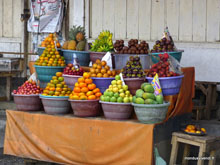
x,y
88,81
98,94
94,66
59,74
92,97
86,75
82,85
89,93
99,75
103,70
98,61
81,80
96,90
91,86
84,89
77,89
99,66
103,63
83,97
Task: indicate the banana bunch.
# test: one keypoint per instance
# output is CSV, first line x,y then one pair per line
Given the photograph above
x,y
103,43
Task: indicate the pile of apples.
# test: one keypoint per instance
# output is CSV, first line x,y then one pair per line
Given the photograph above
x,y
73,70
28,88
162,68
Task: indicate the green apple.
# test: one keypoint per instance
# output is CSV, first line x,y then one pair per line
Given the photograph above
x,y
121,90
114,86
110,89
122,95
126,100
119,82
117,77
111,94
114,82
116,95
119,86
107,98
102,98
113,99
120,100
105,93
130,98
115,90
125,87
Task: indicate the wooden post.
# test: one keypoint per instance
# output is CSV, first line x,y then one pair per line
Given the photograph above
x,y
185,154
174,151
8,87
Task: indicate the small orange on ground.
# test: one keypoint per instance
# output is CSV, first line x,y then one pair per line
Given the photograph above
x,y
91,86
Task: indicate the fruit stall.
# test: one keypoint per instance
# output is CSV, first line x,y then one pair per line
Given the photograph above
x,y
100,113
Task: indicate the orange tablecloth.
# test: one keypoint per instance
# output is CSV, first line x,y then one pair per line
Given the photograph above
x,y
70,140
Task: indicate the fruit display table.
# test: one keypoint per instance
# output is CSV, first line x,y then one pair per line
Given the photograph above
x,y
70,140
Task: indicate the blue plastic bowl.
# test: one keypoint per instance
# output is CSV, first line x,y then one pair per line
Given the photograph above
x,y
41,49
83,57
177,55
102,83
45,73
169,85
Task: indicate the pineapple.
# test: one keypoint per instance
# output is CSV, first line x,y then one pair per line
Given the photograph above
x,y
77,33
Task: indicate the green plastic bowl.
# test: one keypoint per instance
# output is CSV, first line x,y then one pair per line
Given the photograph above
x,y
151,113
83,57
177,55
45,73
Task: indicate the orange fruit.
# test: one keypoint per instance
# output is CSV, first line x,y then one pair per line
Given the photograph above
x,y
98,61
97,71
99,66
107,67
93,75
98,94
84,89
86,75
99,75
83,97
77,89
105,75
81,93
92,70
82,85
52,89
74,97
81,80
94,66
58,89
103,70
103,63
109,72
76,84
91,86
88,81
58,45
113,73
96,90
92,97
59,74
89,93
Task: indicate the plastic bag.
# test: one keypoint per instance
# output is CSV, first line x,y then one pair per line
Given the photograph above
x,y
108,58
33,77
156,85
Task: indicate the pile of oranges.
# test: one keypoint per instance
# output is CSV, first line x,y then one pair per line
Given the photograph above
x,y
57,87
101,69
85,89
194,129
50,38
50,57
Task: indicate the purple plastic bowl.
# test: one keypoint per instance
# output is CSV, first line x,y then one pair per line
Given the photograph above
x,y
70,80
86,108
169,85
28,102
102,83
117,111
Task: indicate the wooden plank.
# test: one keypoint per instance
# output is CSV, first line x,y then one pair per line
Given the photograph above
x,y
96,17
132,19
108,16
78,10
199,20
1,15
213,17
144,16
172,17
120,19
201,154
185,21
212,161
7,18
174,151
185,154
208,102
17,24
157,20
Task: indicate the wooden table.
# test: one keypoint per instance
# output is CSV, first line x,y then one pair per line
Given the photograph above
x,y
206,144
209,90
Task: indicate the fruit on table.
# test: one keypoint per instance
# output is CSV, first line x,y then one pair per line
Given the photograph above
x,y
52,37
133,47
50,57
76,40
101,69
146,95
57,87
163,45
117,92
73,70
28,88
162,68
103,43
194,129
85,89
133,68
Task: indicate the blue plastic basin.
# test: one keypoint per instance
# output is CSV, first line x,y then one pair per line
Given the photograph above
x,y
45,73
177,55
102,83
169,85
83,57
